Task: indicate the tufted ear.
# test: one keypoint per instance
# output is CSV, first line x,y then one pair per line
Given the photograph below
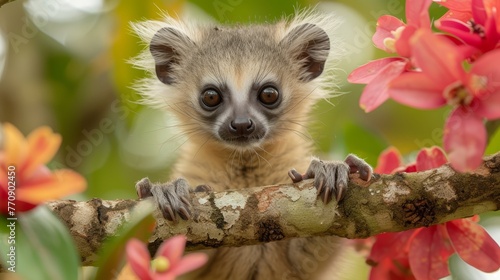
x,y
310,45
168,47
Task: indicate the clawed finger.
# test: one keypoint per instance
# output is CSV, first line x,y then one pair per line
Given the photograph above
x,y
357,164
203,188
295,176
143,188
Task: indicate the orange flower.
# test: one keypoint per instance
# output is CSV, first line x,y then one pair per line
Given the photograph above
x,y
25,181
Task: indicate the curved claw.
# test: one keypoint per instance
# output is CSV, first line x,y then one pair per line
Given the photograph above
x,y
327,195
319,183
340,191
184,213
168,213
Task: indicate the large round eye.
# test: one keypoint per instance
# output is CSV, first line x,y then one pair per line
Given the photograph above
x,y
211,98
269,96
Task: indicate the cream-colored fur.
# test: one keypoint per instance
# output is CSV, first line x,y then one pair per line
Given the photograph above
x,y
237,56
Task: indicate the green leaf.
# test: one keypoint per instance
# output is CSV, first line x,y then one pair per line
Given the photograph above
x,y
112,256
44,247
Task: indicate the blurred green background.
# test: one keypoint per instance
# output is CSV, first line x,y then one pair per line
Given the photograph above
x,y
63,63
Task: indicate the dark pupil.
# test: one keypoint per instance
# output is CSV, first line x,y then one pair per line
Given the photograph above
x,y
269,95
211,98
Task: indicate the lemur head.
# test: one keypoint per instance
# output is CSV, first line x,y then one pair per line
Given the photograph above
x,y
240,85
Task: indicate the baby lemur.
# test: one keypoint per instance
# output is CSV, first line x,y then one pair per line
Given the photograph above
x,y
242,96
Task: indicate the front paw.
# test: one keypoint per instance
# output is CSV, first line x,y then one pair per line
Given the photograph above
x,y
172,197
331,177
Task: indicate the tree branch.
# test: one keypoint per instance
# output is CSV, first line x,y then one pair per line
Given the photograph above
x,y
388,203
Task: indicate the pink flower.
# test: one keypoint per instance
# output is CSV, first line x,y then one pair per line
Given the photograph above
x,y
377,75
168,262
388,161
392,36
480,30
423,253
459,10
474,94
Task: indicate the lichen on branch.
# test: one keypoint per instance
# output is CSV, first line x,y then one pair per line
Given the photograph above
x,y
388,203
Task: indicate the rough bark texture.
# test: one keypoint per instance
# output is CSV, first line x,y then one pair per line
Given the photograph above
x,y
262,214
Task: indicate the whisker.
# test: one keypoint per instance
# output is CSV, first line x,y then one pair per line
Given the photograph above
x,y
300,100
259,156
199,148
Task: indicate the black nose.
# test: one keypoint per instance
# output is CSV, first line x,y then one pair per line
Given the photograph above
x,y
242,127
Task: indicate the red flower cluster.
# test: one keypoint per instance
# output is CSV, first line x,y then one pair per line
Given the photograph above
x,y
423,253
436,69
